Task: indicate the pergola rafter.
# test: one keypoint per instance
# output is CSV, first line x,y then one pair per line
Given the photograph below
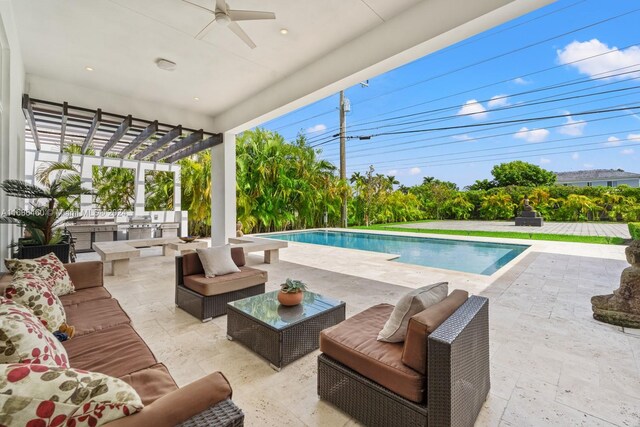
x,y
127,137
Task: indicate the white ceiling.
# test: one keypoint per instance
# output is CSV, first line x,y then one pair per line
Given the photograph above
x,y
121,39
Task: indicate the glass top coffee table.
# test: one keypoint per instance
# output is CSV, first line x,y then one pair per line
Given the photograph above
x,y
278,333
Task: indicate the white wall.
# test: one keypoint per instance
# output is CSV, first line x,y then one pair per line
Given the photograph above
x,y
12,77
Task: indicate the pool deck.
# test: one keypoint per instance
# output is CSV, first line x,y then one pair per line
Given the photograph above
x,y
551,363
603,229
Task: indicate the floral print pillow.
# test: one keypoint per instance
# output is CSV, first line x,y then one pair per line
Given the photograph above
x,y
33,293
24,339
47,267
40,395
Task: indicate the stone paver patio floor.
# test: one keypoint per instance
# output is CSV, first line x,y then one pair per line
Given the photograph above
x,y
552,364
604,229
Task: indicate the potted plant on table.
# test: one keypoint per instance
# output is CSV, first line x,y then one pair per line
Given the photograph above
x,y
43,219
291,292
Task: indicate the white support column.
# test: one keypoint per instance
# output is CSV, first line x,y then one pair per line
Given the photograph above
x,y
223,190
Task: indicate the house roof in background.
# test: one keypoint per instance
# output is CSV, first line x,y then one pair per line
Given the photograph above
x,y
595,175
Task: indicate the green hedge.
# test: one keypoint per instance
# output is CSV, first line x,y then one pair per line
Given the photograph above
x,y
634,230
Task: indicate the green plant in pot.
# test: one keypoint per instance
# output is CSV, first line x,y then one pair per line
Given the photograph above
x,y
48,211
291,292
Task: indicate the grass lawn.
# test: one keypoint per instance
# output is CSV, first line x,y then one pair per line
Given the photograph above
x,y
502,234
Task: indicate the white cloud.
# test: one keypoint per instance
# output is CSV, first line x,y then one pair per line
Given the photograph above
x,y
498,101
612,141
544,161
392,172
317,128
627,151
463,137
521,81
575,156
573,127
588,165
473,109
602,64
532,135
633,137
414,171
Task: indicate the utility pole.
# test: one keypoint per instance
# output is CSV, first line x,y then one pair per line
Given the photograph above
x,y
343,157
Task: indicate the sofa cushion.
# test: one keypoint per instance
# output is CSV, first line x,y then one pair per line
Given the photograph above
x,y
86,274
24,339
92,316
151,383
116,351
217,261
47,267
208,286
32,292
40,395
354,343
395,328
421,325
84,295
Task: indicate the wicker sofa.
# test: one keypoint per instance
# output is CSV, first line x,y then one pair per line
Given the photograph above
x,y
206,298
438,377
106,342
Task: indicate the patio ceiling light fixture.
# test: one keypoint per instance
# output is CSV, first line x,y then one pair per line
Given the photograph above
x,y
284,31
88,68
165,64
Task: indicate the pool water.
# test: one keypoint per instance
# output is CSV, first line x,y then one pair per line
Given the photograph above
x,y
472,257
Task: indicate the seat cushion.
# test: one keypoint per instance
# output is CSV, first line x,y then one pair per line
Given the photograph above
x,y
151,383
206,286
92,316
84,295
421,325
354,343
116,351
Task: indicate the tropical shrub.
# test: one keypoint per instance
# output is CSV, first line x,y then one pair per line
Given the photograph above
x,y
458,207
496,206
634,230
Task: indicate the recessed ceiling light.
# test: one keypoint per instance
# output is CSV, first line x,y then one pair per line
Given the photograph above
x,y
284,31
195,98
165,64
88,68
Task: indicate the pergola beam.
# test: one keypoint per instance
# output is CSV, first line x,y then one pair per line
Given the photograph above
x,y
140,139
63,124
212,141
95,123
28,114
117,135
185,142
164,140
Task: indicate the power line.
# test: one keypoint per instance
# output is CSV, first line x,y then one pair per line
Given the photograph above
x,y
482,62
607,75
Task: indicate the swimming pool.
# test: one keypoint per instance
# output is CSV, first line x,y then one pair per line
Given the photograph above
x,y
472,257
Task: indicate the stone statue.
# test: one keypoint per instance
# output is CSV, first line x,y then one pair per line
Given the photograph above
x,y
239,232
622,307
529,217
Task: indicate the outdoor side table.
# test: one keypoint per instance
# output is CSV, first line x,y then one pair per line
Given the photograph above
x,y
278,333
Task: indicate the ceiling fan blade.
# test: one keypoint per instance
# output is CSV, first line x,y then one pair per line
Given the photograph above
x,y
198,6
203,32
249,15
221,5
240,33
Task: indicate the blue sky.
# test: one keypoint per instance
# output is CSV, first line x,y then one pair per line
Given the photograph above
x,y
528,54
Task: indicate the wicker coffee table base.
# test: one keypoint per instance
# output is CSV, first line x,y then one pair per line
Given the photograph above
x,y
281,347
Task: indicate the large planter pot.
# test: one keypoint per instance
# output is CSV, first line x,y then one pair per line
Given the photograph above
x,y
290,299
34,251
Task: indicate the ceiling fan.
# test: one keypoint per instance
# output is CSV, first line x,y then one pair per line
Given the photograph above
x,y
228,17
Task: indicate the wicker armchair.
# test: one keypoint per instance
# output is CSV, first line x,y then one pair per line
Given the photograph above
x,y
457,378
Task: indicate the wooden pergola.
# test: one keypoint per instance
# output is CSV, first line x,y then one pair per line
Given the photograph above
x,y
127,137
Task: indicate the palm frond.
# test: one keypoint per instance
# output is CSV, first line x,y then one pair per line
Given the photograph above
x,y
24,190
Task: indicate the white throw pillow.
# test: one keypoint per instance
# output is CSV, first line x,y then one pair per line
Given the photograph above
x,y
217,261
395,330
